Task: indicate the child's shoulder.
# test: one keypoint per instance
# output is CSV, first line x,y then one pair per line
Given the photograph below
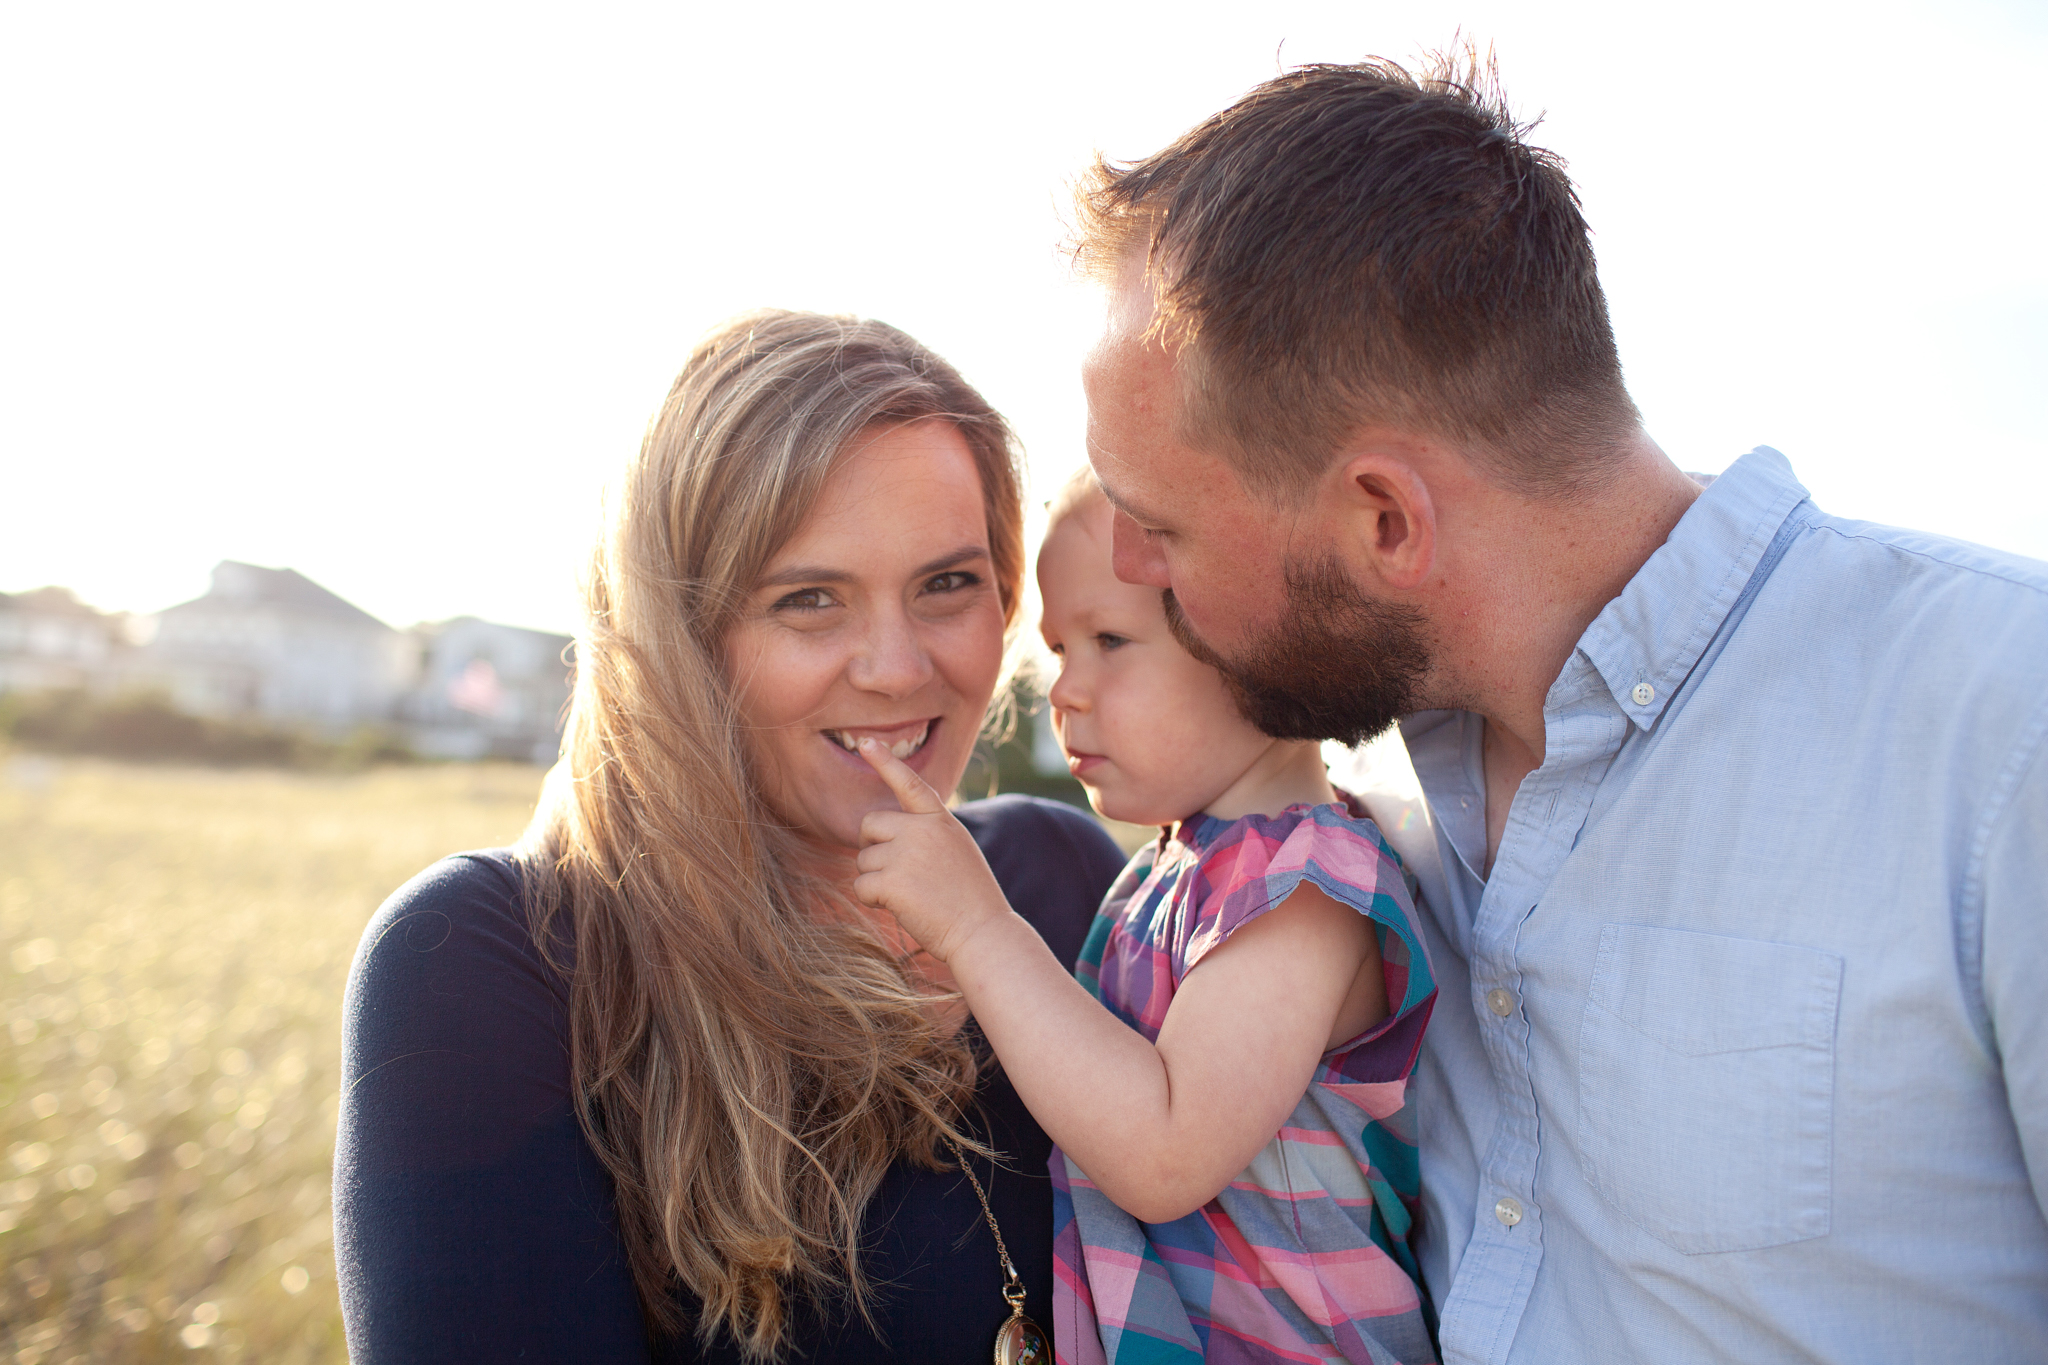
x,y
1262,857
1339,826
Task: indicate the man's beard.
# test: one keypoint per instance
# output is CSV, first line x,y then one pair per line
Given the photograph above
x,y
1339,665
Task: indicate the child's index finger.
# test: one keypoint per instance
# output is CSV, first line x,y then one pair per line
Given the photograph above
x,y
912,792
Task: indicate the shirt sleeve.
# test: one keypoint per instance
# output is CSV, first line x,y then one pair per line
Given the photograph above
x,y
472,1221
1261,861
2015,951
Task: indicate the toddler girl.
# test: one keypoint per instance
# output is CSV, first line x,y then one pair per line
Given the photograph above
x,y
1235,1175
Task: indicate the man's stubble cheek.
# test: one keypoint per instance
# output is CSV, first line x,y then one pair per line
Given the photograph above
x,y
1335,664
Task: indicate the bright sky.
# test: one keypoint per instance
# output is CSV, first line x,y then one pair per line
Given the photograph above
x,y
385,293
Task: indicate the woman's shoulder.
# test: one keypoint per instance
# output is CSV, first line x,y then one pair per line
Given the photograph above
x,y
1014,811
468,909
1053,862
451,1006
485,880
1015,827
449,959
472,1219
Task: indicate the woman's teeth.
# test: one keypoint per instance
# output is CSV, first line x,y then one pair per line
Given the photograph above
x,y
902,748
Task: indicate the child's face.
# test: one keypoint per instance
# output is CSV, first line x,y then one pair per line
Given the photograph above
x,y
1151,733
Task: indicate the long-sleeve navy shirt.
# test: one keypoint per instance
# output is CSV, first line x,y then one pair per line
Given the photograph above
x,y
474,1223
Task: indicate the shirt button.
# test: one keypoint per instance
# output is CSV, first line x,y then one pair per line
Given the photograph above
x,y
1500,1002
1644,694
1508,1210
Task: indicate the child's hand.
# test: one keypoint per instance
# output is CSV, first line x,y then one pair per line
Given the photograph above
x,y
921,864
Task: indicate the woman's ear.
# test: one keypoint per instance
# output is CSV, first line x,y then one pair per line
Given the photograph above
x,y
1392,530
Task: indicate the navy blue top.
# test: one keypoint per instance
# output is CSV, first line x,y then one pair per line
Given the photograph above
x,y
473,1222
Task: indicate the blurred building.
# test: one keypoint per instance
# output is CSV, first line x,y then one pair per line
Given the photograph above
x,y
273,645
50,639
487,690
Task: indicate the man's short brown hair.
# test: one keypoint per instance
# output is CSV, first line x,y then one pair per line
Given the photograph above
x,y
1353,245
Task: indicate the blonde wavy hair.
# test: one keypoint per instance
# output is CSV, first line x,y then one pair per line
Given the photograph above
x,y
747,1061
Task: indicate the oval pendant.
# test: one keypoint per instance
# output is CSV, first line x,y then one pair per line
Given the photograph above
x,y
1022,1342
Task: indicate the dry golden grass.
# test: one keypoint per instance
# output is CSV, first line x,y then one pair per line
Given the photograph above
x,y
173,947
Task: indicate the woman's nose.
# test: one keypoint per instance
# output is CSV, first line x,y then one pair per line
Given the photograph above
x,y
892,660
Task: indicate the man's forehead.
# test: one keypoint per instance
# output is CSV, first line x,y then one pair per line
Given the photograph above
x,y
1133,295
1128,364
1163,485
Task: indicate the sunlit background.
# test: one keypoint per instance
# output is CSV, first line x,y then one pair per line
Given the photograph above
x,y
385,293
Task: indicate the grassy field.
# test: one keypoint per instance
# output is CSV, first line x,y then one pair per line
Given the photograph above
x,y
173,947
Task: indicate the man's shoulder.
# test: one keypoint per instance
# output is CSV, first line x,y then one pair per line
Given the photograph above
x,y
1935,560
1872,621
1913,594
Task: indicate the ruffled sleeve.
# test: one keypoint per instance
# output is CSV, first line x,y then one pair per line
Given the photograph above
x,y
1257,862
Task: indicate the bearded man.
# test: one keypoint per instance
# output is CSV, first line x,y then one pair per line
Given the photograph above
x,y
1735,871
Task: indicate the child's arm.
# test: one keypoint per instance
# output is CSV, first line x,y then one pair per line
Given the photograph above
x,y
1160,1129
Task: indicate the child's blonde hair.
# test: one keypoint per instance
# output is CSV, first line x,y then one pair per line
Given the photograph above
x,y
1081,491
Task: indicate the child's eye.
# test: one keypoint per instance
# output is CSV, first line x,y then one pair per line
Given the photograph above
x,y
804,599
1110,641
952,581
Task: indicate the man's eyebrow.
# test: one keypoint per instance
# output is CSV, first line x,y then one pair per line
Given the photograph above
x,y
797,574
1123,505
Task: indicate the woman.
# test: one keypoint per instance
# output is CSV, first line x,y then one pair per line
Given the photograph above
x,y
652,1086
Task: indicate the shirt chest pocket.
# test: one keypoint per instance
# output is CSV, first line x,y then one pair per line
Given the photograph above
x,y
1706,1086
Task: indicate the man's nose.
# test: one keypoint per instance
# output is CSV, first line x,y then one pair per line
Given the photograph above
x,y
1135,556
892,660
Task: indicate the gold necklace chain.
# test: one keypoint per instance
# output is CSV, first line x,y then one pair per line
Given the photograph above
x,y
1020,1341
1014,1290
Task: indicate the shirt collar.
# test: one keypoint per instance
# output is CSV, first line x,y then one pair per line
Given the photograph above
x,y
1645,641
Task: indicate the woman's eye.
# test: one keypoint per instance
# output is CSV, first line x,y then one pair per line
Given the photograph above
x,y
952,582
805,599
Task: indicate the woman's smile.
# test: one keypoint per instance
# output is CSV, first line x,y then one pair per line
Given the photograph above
x,y
905,741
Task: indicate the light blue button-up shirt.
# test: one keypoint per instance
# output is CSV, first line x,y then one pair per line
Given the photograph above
x,y
1742,1052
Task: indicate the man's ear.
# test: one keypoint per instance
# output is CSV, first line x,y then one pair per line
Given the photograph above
x,y
1392,518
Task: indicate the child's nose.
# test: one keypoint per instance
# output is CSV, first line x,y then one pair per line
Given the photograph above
x,y
1067,694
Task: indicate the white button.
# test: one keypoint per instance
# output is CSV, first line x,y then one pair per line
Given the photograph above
x,y
1500,1002
1644,694
1509,1211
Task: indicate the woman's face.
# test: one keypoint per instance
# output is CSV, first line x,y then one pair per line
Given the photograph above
x,y
879,617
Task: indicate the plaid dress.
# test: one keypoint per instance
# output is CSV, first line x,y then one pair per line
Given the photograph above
x,y
1303,1257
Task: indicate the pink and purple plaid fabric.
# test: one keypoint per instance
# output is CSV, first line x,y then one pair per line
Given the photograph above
x,y
1304,1257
